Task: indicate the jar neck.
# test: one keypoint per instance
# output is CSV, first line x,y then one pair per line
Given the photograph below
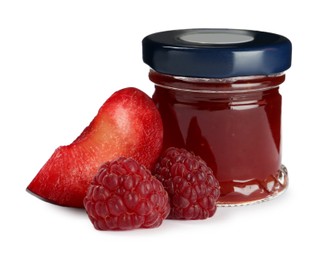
x,y
217,85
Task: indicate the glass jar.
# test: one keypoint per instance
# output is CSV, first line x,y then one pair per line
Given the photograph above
x,y
218,94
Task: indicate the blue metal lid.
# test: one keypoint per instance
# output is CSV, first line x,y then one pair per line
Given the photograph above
x,y
217,53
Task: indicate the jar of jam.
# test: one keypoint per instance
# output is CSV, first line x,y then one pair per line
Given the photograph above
x,y
218,94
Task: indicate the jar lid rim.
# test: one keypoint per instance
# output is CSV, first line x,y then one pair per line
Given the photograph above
x,y
217,53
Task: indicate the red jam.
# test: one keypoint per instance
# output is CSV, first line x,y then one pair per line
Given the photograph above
x,y
217,91
234,125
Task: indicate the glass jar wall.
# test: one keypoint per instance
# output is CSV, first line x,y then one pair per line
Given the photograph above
x,y
234,126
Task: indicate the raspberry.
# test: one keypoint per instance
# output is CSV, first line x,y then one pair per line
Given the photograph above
x,y
190,183
125,195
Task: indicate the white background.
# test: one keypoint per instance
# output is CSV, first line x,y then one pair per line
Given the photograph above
x,y
60,60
